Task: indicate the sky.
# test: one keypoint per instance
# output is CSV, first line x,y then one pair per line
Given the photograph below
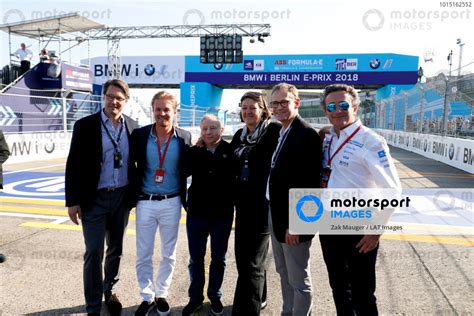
x,y
425,28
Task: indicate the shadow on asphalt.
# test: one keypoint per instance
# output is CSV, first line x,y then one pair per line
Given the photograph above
x,y
80,310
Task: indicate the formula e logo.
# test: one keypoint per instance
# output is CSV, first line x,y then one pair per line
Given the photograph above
x,y
313,206
149,70
374,63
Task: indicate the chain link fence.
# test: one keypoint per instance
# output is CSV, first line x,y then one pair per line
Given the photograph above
x,y
421,109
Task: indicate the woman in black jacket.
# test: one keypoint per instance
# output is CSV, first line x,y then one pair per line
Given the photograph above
x,y
253,145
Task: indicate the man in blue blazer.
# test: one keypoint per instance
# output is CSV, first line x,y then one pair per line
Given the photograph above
x,y
99,174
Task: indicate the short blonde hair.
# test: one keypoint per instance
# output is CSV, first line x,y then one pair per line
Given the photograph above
x,y
165,95
286,87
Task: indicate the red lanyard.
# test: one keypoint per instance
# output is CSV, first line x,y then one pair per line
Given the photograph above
x,y
160,157
340,147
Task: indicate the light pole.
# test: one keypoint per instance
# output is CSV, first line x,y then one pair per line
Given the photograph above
x,y
445,107
459,42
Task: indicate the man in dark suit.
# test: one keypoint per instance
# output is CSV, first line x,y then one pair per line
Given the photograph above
x,y
158,150
99,174
4,154
296,163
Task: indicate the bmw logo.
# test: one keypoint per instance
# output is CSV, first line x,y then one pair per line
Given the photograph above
x,y
49,148
218,66
374,63
149,70
451,151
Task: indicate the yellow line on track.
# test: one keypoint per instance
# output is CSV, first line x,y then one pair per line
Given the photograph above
x,y
32,210
31,201
462,241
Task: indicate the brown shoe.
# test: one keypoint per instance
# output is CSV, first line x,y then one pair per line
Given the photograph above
x,y
113,304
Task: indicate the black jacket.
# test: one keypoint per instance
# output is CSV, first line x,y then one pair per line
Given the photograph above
x,y
251,203
4,154
84,162
212,189
138,156
297,166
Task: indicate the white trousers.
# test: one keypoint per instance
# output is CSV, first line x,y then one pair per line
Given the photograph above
x,y
152,215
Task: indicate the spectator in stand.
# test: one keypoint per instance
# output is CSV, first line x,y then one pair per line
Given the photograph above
x,y
25,55
44,56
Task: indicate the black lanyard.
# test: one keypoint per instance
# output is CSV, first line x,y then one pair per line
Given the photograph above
x,y
117,141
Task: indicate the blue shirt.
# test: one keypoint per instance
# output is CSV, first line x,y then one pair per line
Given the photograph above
x,y
111,177
171,180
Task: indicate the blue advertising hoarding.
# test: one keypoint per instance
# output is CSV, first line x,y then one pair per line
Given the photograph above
x,y
310,70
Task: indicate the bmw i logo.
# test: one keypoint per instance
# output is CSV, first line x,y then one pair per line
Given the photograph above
x,y
149,70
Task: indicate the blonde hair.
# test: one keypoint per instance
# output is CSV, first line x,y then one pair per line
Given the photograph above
x,y
286,87
165,95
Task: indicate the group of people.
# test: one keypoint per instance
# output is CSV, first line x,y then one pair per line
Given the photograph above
x,y
113,166
25,55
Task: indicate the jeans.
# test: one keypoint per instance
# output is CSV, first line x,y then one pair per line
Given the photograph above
x,y
198,229
107,220
151,215
351,274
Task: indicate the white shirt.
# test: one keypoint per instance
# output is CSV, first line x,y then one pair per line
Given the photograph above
x,y
363,162
23,54
281,141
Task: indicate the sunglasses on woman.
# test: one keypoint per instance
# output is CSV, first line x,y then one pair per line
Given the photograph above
x,y
343,106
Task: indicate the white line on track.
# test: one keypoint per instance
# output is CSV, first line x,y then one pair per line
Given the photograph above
x,y
57,219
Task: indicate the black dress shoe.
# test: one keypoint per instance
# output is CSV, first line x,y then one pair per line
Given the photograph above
x,y
113,304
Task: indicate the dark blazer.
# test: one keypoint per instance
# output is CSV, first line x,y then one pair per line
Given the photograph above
x,y
212,190
251,201
4,154
84,162
297,166
138,154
